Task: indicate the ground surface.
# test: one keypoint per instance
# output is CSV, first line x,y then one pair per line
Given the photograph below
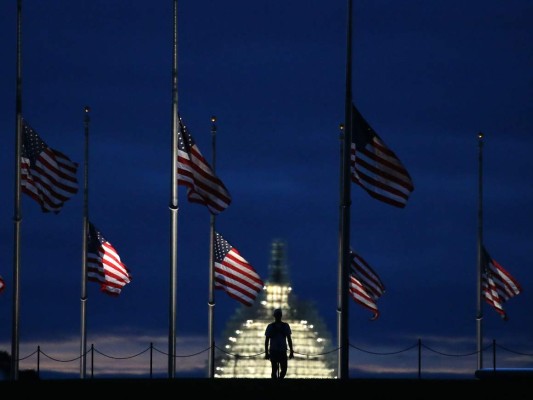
x,y
251,389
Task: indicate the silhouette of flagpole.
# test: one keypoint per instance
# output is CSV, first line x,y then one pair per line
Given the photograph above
x,y
17,215
173,206
479,302
211,302
344,219
83,297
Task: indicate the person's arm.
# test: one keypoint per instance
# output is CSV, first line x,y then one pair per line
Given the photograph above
x,y
289,342
267,354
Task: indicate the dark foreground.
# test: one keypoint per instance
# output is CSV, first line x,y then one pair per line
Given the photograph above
x,y
251,389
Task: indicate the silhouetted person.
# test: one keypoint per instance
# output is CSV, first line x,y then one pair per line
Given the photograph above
x,y
277,337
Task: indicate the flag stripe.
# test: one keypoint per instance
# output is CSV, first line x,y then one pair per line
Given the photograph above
x,y
360,296
240,267
497,284
248,283
104,264
373,172
224,277
195,173
371,281
235,290
375,167
234,274
48,176
203,186
365,286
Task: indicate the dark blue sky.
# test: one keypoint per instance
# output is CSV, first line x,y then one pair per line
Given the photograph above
x,y
427,76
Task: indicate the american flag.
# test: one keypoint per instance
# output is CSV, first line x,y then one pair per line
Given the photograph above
x,y
47,175
497,284
365,286
375,167
194,172
234,274
2,284
104,265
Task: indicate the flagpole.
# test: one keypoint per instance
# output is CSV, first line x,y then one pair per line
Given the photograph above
x,y
479,317
173,206
342,289
17,217
83,297
344,229
211,303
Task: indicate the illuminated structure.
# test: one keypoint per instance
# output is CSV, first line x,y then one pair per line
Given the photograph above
x,y
243,354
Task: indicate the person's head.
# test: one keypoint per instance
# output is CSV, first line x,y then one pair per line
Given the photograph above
x,y
278,314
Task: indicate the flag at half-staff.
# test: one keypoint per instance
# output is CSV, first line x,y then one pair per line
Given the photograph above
x,y
47,175
365,285
233,274
375,167
194,172
104,264
497,284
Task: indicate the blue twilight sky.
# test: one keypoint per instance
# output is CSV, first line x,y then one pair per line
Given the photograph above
x,y
428,76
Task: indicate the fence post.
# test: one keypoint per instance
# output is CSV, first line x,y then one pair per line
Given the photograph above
x,y
39,362
419,358
494,354
92,360
151,358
